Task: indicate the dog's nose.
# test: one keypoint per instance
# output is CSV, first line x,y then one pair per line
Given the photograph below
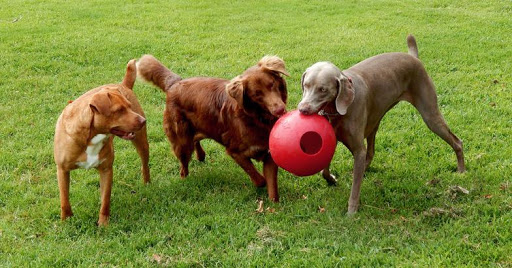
x,y
142,121
304,108
280,111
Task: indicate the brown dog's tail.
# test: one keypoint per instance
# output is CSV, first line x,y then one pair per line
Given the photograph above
x,y
131,75
413,47
151,70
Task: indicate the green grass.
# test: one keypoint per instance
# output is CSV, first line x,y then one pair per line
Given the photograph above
x,y
53,51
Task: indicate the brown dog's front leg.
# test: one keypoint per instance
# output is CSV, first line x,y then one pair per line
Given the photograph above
x,y
63,180
249,168
359,166
105,192
270,173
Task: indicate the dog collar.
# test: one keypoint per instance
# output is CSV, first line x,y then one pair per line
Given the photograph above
x,y
348,77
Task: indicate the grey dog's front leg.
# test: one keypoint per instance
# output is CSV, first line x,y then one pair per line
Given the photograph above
x,y
359,167
329,178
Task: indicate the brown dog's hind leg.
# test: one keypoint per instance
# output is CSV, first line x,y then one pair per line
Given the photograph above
x,y
183,151
141,144
63,180
180,135
199,151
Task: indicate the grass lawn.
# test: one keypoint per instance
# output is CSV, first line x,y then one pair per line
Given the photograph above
x,y
53,51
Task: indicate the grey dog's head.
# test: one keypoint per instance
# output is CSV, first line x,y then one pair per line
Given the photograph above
x,y
323,83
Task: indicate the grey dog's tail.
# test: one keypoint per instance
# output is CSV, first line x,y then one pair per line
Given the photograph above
x,y
151,70
413,48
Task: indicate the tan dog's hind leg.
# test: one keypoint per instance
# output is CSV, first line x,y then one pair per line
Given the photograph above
x,y
141,144
105,192
63,180
270,173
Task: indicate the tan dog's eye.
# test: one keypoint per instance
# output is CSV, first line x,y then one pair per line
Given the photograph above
x,y
120,109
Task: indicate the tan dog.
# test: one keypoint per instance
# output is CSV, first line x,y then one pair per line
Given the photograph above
x,y
238,114
84,137
356,99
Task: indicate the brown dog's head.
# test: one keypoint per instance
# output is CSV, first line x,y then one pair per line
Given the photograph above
x,y
113,114
261,89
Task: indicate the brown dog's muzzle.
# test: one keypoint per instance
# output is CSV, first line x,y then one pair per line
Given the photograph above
x,y
278,110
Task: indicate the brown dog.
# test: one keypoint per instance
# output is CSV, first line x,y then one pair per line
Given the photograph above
x,y
356,99
84,137
238,114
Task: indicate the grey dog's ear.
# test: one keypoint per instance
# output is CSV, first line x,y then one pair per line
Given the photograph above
x,y
346,94
235,89
302,80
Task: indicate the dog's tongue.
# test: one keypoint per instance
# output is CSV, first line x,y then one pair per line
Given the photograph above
x,y
122,134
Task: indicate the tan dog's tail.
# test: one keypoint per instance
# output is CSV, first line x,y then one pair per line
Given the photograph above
x,y
131,75
413,48
151,70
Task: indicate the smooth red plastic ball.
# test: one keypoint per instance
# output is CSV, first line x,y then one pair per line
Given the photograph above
x,y
302,144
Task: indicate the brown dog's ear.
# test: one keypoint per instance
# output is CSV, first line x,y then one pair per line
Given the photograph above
x,y
235,89
100,103
283,91
131,74
274,64
345,96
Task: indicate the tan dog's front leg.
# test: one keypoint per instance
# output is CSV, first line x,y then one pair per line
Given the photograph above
x,y
270,173
359,167
63,180
106,175
249,168
141,144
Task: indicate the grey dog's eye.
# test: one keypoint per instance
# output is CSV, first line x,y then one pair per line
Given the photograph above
x,y
322,89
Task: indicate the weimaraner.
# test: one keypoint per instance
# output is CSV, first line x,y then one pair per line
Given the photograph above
x,y
356,99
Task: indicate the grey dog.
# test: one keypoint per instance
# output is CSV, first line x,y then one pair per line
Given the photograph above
x,y
356,99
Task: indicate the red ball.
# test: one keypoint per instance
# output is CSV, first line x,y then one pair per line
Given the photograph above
x,y
302,144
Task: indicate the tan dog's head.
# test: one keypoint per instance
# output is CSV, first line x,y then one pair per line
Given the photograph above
x,y
261,88
113,114
323,83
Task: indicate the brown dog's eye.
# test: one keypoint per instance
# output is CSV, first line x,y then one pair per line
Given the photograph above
x,y
322,89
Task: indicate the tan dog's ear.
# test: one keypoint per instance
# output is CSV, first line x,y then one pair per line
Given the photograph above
x,y
235,89
274,64
345,96
100,103
131,74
